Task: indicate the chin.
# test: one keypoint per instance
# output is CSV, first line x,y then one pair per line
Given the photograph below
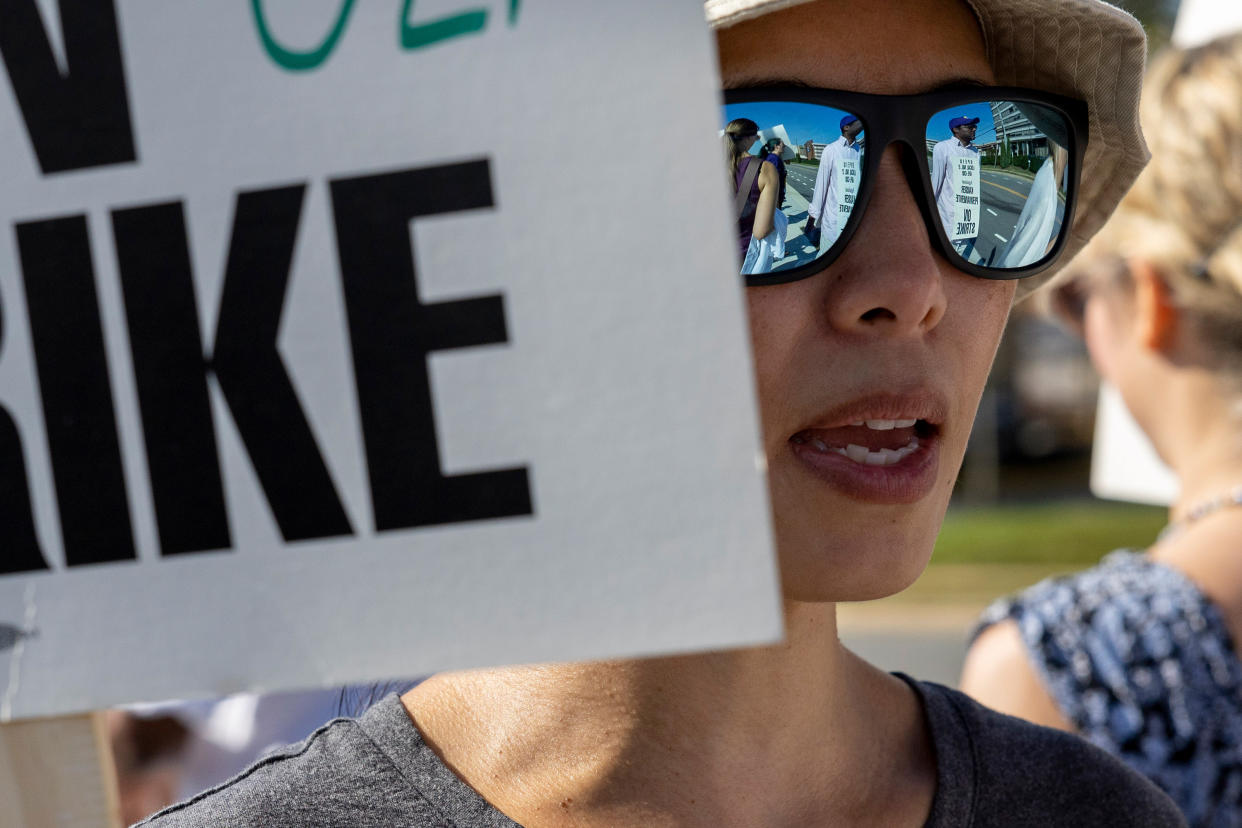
x,y
862,569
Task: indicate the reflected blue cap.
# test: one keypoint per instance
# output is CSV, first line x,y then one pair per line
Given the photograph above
x,y
962,120
847,120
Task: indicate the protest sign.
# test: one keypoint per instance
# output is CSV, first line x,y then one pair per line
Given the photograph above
x,y
1124,465
849,173
965,172
354,341
787,151
58,773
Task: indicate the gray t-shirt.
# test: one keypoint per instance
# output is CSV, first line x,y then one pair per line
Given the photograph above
x,y
992,770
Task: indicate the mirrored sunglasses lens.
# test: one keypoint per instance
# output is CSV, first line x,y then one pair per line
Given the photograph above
x,y
794,171
999,173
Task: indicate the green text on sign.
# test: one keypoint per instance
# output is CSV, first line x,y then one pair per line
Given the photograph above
x,y
412,35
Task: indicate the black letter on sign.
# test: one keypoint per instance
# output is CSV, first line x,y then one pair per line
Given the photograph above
x,y
19,547
252,374
392,332
170,370
80,119
73,382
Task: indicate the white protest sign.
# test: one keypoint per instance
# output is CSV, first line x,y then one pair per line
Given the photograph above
x,y
848,174
1124,465
965,172
340,343
787,151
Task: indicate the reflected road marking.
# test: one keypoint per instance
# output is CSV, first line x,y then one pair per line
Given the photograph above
x,y
1006,189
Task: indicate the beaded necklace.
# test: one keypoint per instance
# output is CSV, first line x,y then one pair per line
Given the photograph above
x,y
1202,509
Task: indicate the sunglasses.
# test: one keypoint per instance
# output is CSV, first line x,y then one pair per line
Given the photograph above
x,y
998,205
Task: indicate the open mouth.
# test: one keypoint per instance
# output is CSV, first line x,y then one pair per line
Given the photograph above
x,y
869,442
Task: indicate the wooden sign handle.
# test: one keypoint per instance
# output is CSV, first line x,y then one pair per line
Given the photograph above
x,y
58,773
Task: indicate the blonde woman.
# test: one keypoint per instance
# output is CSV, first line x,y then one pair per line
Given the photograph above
x,y
1138,654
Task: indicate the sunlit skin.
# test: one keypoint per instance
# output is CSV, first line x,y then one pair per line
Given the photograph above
x,y
889,315
803,733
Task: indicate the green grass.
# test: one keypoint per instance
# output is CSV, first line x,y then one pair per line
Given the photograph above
x,y
1059,535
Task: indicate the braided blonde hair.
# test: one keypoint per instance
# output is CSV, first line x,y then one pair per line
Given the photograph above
x,y
1184,213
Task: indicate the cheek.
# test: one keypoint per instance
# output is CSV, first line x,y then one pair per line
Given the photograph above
x,y
773,335
979,318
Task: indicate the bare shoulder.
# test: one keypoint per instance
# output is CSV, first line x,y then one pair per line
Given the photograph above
x,y
998,673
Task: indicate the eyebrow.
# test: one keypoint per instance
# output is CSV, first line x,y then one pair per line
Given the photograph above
x,y
773,84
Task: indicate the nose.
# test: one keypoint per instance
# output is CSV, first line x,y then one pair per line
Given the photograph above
x,y
887,281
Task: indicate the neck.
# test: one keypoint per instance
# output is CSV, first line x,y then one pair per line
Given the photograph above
x,y
674,736
1201,441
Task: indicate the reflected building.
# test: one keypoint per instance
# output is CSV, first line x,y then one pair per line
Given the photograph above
x,y
1012,126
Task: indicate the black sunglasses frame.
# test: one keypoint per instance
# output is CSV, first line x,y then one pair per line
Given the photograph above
x,y
903,119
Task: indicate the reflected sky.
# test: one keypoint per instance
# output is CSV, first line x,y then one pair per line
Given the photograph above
x,y
803,122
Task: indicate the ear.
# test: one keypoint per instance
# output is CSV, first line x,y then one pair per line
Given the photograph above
x,y
1156,316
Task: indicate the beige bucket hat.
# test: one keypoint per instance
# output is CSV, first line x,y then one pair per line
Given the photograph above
x,y
1084,49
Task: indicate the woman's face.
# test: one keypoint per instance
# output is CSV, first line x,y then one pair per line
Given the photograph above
x,y
889,332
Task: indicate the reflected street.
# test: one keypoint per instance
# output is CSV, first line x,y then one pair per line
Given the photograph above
x,y
1004,195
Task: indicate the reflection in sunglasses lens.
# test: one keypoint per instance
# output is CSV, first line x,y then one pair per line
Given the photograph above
x,y
795,170
998,177
999,172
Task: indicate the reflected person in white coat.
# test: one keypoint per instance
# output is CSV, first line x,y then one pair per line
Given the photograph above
x,y
833,198
960,145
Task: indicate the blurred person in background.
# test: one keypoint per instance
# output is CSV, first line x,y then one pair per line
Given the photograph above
x,y
148,753
1138,653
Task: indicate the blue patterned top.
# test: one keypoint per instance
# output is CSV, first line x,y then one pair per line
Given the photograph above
x,y
1142,664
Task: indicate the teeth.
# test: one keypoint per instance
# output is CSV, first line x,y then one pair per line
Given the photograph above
x,y
879,457
862,454
886,425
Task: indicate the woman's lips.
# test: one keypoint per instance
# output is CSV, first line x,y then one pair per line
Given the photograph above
x,y
882,461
